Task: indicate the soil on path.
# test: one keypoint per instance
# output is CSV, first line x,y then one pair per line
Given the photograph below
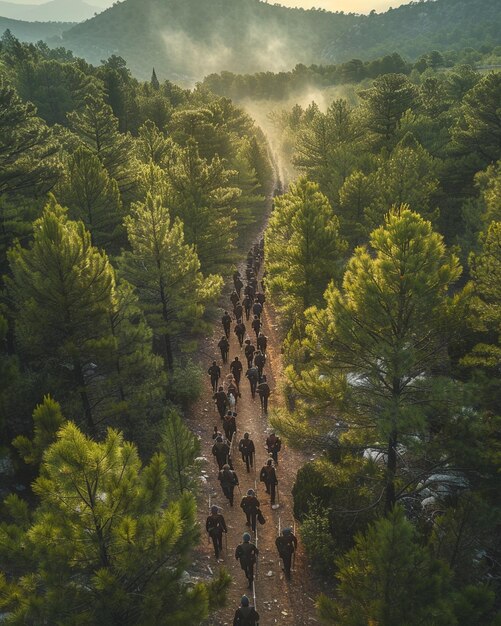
x,y
278,600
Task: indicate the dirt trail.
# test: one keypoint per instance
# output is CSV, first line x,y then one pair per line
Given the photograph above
x,y
278,601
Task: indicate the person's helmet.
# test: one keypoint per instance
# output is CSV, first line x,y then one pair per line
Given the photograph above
x,y
226,466
236,358
219,439
251,492
246,435
226,312
214,363
247,341
246,537
269,462
221,388
214,509
286,531
244,601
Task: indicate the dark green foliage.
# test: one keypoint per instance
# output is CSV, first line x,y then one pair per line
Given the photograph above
x,y
105,520
180,448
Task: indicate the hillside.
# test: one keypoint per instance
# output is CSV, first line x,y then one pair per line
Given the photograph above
x,y
186,39
34,31
53,11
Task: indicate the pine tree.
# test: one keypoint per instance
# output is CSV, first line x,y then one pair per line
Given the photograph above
x,y
389,578
27,150
97,128
92,197
355,196
180,448
303,249
486,310
152,145
63,290
166,274
154,81
374,349
390,96
201,196
105,545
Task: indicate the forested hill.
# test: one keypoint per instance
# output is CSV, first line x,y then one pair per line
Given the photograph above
x,y
187,39
33,31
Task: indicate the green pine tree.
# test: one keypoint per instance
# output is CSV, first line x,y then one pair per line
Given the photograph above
x,y
63,291
166,274
201,195
389,579
105,545
92,197
303,249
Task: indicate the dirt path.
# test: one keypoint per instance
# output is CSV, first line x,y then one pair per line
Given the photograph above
x,y
278,601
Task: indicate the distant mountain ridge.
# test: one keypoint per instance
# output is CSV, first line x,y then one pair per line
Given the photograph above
x,y
187,39
32,32
53,11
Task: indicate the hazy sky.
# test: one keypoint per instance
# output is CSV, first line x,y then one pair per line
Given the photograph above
x,y
357,6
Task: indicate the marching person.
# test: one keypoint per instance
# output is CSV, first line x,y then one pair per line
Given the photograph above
x,y
216,526
286,546
252,375
221,451
246,615
273,445
215,434
268,476
224,346
247,554
229,424
261,298
247,304
262,342
256,325
221,401
236,370
239,331
257,308
250,506
249,351
215,374
226,320
259,362
238,285
234,297
229,480
238,310
236,276
264,391
247,449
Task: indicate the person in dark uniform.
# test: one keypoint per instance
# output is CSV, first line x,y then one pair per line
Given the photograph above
x,y
261,298
238,286
257,308
247,449
215,434
221,451
249,351
229,424
215,374
224,346
247,554
264,391
268,476
238,311
250,506
273,445
246,615
216,526
236,276
226,321
252,375
256,325
221,401
236,369
259,362
228,479
247,304
234,298
250,291
239,331
262,342
286,546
